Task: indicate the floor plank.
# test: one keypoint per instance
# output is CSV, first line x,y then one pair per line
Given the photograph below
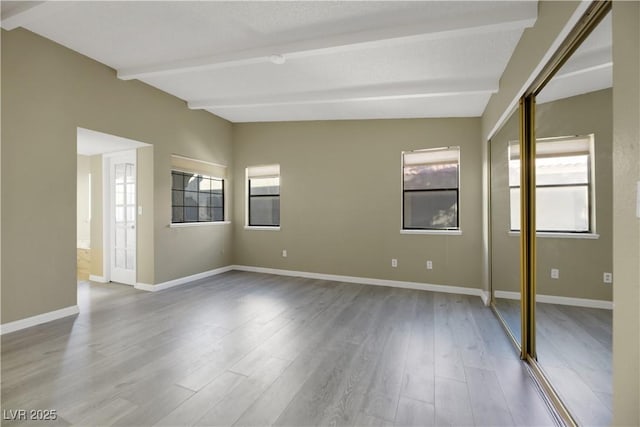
x,y
256,349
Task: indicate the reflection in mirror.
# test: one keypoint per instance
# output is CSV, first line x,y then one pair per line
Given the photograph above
x,y
574,223
505,245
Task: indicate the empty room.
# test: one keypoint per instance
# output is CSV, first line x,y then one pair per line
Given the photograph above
x,y
296,213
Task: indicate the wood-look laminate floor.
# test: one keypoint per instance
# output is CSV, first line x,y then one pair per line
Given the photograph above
x,y
253,349
574,349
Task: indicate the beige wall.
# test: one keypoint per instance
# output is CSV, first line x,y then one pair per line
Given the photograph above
x,y
83,199
341,195
145,236
626,225
48,91
581,262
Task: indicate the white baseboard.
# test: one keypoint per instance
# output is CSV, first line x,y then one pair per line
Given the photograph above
x,y
145,287
364,280
98,279
38,319
506,294
486,299
182,280
552,299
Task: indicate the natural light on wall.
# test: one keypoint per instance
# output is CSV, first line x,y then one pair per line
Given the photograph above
x,y
564,184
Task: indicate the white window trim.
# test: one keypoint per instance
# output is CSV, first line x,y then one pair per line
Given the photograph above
x,y
262,227
197,224
560,235
435,231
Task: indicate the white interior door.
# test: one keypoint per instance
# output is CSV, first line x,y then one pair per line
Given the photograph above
x,y
123,217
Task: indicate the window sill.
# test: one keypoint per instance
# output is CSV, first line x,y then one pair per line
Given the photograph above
x,y
434,232
587,236
197,224
265,228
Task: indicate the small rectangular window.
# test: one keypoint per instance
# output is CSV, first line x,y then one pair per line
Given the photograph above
x,y
196,198
564,184
430,189
263,196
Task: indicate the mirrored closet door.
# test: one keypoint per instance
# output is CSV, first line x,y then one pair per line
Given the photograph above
x,y
573,313
505,220
551,220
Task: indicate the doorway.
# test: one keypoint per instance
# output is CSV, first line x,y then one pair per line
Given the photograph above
x,y
113,236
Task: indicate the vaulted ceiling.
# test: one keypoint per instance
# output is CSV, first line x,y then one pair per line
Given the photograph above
x,y
276,61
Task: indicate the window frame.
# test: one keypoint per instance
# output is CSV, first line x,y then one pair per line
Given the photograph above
x,y
198,192
248,196
457,230
590,185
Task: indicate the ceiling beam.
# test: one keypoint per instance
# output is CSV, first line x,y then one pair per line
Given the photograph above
x,y
518,16
16,14
586,70
407,90
590,59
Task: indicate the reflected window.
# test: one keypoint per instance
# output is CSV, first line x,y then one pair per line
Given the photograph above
x,y
430,189
263,196
564,184
196,198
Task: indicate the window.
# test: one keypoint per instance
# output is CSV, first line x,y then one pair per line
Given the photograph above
x,y
564,184
430,189
196,198
263,196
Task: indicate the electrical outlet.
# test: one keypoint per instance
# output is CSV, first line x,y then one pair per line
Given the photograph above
x,y
284,253
429,265
607,277
394,262
555,273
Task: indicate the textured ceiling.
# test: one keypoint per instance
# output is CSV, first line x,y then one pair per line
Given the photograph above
x,y
342,60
